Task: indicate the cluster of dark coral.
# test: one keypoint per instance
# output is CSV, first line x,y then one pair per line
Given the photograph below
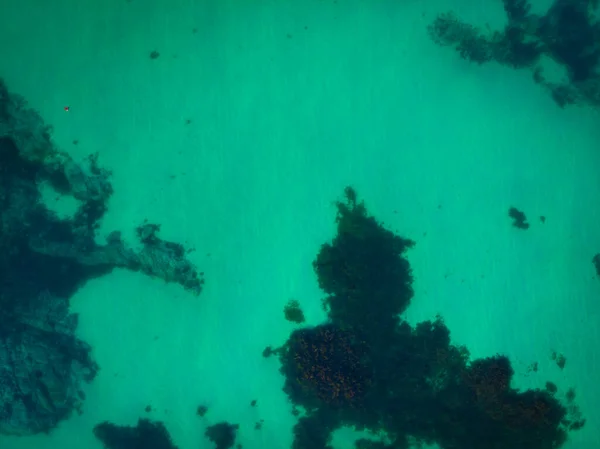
x,y
145,435
44,259
519,218
369,369
569,34
222,434
149,434
293,313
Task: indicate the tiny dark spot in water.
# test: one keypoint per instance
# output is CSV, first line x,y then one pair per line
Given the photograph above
x,y
75,142
201,410
188,121
570,395
194,30
154,54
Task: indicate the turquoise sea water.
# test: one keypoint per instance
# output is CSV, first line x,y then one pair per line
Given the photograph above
x,y
239,137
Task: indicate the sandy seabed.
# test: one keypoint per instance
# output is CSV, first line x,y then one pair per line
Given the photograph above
x,y
238,137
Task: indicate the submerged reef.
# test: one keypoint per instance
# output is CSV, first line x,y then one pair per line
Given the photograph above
x,y
367,368
42,365
568,34
45,259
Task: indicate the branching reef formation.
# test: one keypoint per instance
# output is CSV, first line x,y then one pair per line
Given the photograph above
x,y
568,34
44,259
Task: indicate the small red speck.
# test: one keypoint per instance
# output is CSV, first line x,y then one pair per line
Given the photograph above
x,y
66,108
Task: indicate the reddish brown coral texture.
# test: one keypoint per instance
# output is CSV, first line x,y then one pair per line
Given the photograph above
x,y
488,385
329,366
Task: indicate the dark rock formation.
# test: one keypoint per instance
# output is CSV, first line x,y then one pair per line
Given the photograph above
x,y
44,259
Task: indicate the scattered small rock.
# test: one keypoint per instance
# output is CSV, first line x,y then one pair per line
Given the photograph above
x,y
519,218
201,410
293,312
533,368
596,262
154,54
560,359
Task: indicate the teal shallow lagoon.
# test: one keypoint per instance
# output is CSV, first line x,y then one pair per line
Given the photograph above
x,y
281,119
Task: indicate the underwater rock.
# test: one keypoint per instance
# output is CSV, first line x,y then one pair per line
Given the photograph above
x,y
42,366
